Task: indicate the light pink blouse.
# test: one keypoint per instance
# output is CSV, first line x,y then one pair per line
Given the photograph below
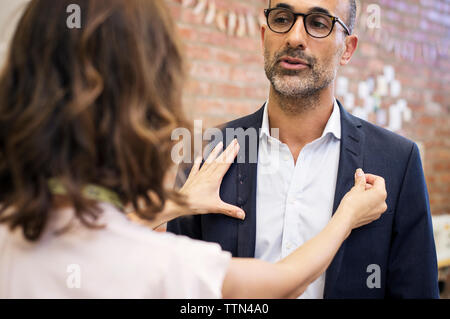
x,y
124,260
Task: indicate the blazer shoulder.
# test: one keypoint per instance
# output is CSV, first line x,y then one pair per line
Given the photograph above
x,y
379,137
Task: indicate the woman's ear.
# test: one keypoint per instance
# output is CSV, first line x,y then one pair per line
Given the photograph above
x,y
351,43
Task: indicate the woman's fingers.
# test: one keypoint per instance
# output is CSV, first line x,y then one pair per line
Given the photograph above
x,y
227,158
360,179
230,210
213,155
379,186
370,178
379,182
195,169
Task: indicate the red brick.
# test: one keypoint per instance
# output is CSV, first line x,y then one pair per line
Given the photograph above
x,y
227,74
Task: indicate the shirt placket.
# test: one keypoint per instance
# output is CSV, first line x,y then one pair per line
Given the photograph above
x,y
290,171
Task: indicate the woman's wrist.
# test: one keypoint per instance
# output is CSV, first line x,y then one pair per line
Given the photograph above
x,y
343,220
172,211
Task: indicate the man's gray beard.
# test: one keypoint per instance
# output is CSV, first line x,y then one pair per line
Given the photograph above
x,y
291,85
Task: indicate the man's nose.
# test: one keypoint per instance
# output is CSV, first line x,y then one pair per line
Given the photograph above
x,y
297,36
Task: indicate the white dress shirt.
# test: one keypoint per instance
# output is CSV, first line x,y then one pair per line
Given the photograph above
x,y
124,260
295,201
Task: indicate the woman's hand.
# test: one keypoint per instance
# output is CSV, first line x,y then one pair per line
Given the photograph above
x,y
203,184
366,201
201,190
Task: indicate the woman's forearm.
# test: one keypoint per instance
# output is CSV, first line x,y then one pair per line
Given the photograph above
x,y
311,260
289,278
171,211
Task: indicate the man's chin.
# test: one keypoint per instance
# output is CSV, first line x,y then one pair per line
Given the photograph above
x,y
289,91
290,73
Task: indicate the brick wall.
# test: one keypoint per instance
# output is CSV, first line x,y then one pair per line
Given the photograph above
x,y
227,78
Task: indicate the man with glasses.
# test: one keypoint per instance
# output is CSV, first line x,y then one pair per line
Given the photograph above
x,y
318,148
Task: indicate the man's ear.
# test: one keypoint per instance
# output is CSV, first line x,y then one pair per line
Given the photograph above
x,y
263,34
351,43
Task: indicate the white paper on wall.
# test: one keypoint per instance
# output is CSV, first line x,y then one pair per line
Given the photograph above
x,y
381,117
371,84
232,22
361,113
389,73
441,228
395,118
251,24
200,7
402,104
242,26
369,104
382,86
211,13
349,101
342,86
407,115
396,88
186,3
221,20
363,90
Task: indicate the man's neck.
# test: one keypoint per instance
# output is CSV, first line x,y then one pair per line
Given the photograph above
x,y
300,120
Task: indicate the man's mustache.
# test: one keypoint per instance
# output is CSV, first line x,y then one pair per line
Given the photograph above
x,y
297,54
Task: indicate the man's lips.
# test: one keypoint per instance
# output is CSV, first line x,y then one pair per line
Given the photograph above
x,y
293,63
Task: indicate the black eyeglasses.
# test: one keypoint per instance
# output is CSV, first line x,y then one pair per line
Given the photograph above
x,y
317,24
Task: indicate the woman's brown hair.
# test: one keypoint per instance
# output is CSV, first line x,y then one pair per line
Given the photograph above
x,y
95,105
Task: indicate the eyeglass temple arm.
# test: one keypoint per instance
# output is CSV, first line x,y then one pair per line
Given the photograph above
x,y
343,25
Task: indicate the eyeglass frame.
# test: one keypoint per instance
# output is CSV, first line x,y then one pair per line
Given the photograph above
x,y
305,15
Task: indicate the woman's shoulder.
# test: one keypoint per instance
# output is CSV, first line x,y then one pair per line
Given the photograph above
x,y
187,268
119,224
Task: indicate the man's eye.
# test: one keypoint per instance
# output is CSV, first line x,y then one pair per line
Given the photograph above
x,y
281,20
318,25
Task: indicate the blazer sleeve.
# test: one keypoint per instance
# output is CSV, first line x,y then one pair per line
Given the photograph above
x,y
189,226
413,271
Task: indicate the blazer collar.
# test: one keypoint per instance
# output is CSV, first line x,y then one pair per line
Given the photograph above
x,y
246,189
351,158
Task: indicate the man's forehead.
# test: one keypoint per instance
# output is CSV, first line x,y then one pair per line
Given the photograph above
x,y
336,7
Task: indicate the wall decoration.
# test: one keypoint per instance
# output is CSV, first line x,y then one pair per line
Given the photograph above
x,y
371,93
442,236
403,48
233,22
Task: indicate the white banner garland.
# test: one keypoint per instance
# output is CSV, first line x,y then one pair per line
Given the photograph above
x,y
231,22
242,23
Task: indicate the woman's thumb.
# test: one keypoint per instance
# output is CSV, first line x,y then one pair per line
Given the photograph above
x,y
360,179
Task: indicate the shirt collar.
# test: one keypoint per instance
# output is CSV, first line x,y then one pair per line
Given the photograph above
x,y
265,130
333,125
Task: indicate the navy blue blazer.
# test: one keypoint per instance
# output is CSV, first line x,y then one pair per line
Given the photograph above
x,y
401,242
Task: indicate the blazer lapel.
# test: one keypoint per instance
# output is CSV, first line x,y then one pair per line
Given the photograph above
x,y
351,158
246,179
